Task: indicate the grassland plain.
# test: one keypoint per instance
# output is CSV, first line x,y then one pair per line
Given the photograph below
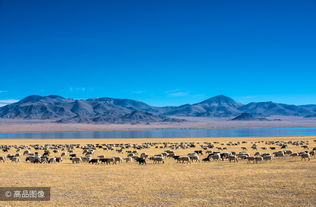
x,y
288,182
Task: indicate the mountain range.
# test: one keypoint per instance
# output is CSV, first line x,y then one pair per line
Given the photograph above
x,y
111,110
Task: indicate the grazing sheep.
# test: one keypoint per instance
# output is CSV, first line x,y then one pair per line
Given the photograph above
x,y
33,159
108,161
46,153
26,152
52,160
225,155
135,157
164,154
208,158
130,155
184,159
76,160
232,158
279,154
2,159
194,157
168,151
119,150
243,155
128,159
199,152
294,155
9,156
141,161
157,159
15,159
305,156
144,155
59,159
254,147
257,154
216,156
44,159
171,155
258,159
267,157
94,161
288,152
250,159
117,159
86,159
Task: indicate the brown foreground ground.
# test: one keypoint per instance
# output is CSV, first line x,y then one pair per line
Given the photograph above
x,y
288,182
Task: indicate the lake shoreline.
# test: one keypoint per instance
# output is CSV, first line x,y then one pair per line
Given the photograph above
x,y
160,140
165,134
26,126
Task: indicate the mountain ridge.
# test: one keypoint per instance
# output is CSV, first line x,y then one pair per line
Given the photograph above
x,y
114,110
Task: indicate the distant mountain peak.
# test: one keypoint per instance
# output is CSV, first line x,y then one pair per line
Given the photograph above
x,y
31,98
220,99
221,96
36,98
55,96
217,106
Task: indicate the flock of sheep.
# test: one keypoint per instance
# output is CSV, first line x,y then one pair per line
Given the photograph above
x,y
199,152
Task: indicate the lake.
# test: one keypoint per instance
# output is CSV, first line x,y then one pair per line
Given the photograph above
x,y
267,132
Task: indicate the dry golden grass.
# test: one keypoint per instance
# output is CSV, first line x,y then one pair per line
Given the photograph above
x,y
289,182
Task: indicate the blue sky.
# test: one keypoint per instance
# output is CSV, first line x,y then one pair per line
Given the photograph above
x,y
160,52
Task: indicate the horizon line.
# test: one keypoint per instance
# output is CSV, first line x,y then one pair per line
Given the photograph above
x,y
4,102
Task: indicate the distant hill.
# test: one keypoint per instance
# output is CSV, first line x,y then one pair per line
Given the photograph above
x,y
218,106
127,103
311,108
98,110
310,116
248,117
271,108
112,110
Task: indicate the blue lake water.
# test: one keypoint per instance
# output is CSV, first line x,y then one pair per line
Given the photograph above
x,y
310,131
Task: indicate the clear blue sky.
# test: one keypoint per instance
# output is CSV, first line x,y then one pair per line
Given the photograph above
x,y
161,52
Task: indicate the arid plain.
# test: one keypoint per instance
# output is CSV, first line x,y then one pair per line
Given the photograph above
x,y
280,182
